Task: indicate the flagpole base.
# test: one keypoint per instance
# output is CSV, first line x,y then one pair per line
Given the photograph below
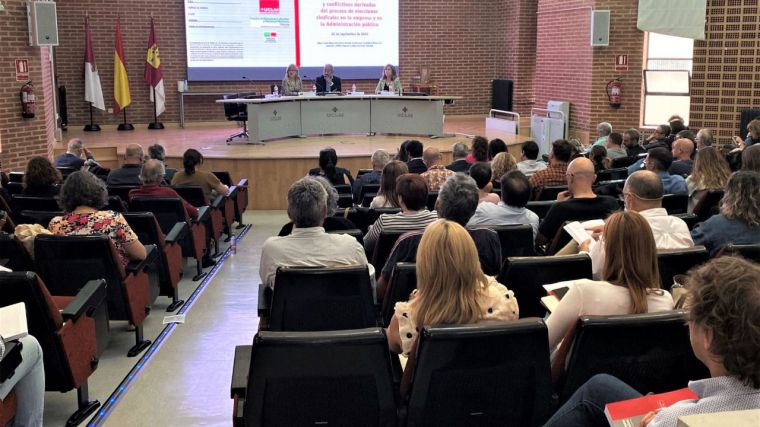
x,y
125,126
92,127
156,125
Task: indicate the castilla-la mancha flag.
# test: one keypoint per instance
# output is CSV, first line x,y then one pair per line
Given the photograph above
x,y
93,93
153,75
121,95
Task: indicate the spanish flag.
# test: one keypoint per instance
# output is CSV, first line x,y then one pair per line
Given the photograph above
x,y
121,96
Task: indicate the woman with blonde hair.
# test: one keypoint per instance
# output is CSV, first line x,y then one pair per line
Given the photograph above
x,y
387,197
500,165
711,171
291,83
630,279
451,288
389,82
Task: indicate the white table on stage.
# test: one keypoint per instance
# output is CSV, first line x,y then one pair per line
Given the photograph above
x,y
289,116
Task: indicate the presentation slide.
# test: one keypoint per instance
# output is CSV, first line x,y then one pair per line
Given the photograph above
x,y
257,39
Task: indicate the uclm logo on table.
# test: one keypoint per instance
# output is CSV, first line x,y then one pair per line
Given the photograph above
x,y
269,6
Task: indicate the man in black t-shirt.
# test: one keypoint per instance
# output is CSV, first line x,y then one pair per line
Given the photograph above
x,y
578,203
457,201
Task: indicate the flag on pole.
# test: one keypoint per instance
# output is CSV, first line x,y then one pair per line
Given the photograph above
x,y
93,93
153,74
121,95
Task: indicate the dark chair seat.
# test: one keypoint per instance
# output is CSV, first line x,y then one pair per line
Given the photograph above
x,y
400,286
383,247
550,192
540,208
750,252
675,203
612,174
516,240
708,205
672,262
432,197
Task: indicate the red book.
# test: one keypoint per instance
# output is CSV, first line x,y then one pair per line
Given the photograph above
x,y
628,413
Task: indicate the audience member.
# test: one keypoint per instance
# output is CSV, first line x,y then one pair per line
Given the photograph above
x,y
753,135
710,172
515,194
751,158
457,201
157,152
328,160
129,173
658,138
481,173
151,176
412,198
459,152
688,134
331,222
683,149
658,160
739,218
501,164
401,154
598,156
387,196
28,382
614,146
603,130
380,158
554,174
478,150
496,146
41,178
415,162
630,279
308,245
724,309
436,173
82,196
704,138
529,163
631,142
72,158
451,288
577,203
192,175
676,126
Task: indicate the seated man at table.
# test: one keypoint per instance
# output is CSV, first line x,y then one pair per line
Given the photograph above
x,y
308,245
327,82
129,173
151,175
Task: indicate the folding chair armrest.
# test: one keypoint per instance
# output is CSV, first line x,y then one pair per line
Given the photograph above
x,y
218,202
243,182
203,213
139,265
240,367
232,192
86,301
177,233
265,298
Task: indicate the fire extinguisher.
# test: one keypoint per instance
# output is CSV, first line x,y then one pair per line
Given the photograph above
x,y
28,103
614,90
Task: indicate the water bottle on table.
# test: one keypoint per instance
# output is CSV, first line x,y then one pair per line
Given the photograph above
x,y
276,91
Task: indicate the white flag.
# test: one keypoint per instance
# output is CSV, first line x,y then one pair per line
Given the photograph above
x,y
161,95
93,93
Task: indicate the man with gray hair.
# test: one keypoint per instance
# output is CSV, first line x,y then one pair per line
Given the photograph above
x,y
331,222
604,130
515,194
457,201
157,151
129,173
704,138
308,245
72,158
151,175
380,158
459,152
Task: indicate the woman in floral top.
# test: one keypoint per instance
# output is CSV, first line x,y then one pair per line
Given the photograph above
x,y
81,196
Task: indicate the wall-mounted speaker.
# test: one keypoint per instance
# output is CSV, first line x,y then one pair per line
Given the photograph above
x,y
600,28
43,23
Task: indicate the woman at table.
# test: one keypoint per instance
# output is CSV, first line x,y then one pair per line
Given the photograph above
x,y
389,82
291,84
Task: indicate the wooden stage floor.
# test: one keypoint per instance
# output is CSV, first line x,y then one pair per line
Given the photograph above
x,y
271,168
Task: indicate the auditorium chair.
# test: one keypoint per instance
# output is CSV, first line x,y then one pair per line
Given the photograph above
x,y
121,190
484,374
42,218
525,276
33,203
550,192
400,286
361,172
14,188
689,218
432,197
65,172
16,176
624,162
236,113
365,191
240,199
345,200
650,352
341,378
353,232
383,247
343,188
612,174
318,299
612,188
672,262
749,252
13,254
65,329
64,262
168,212
116,204
168,268
193,194
675,203
516,240
708,205
367,216
540,208
366,199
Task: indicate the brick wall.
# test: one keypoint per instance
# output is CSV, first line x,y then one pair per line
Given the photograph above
x,y
726,71
21,138
461,41
519,59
